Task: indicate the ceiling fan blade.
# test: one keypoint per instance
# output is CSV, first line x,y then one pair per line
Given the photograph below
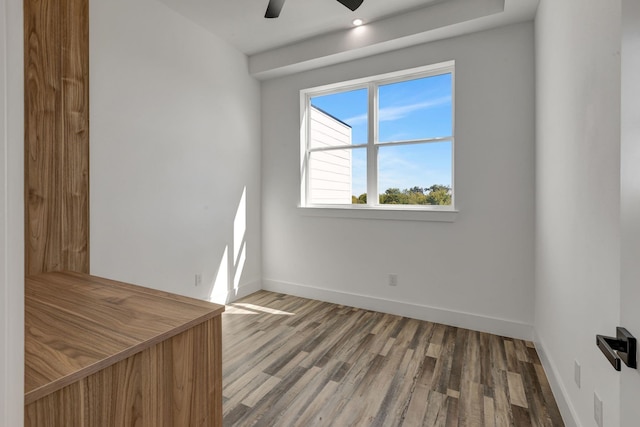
x,y
274,8
351,4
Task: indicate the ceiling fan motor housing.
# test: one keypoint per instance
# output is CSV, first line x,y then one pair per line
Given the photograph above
x,y
275,6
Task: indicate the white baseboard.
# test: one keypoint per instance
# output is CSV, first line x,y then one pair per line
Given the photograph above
x,y
231,295
567,411
243,291
508,328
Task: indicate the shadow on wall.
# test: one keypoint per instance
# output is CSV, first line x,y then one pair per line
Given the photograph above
x,y
225,286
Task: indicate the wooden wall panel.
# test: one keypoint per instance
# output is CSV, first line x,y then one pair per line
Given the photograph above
x,y
177,382
42,107
75,136
56,135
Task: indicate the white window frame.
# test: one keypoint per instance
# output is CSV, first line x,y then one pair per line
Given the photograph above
x,y
373,209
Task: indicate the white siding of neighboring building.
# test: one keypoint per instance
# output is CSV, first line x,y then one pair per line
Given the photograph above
x,y
329,171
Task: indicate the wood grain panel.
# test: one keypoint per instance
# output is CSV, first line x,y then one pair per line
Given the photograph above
x,y
42,135
76,325
104,353
57,407
74,186
290,361
157,408
56,135
169,384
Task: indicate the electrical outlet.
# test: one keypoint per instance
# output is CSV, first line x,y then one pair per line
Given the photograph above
x,y
576,372
198,279
597,409
393,280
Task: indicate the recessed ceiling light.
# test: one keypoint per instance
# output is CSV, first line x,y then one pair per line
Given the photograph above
x,y
357,22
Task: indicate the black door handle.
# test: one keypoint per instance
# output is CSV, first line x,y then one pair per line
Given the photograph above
x,y
622,347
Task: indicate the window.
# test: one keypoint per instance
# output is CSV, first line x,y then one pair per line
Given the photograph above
x,y
391,136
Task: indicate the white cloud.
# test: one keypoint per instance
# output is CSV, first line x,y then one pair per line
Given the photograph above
x,y
394,113
357,120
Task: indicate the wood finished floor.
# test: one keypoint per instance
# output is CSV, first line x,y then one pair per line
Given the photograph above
x,y
290,361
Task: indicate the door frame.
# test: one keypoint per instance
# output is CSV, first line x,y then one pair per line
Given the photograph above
x,y
11,214
630,200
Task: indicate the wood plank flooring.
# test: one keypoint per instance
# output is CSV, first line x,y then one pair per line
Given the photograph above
x,y
290,361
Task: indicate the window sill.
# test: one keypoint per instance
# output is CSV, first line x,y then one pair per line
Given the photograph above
x,y
381,213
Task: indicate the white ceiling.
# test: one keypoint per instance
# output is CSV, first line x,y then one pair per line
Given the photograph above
x,y
242,22
315,33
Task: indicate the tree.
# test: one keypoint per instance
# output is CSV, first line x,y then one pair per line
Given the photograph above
x,y
392,196
435,195
360,200
416,197
439,195
437,187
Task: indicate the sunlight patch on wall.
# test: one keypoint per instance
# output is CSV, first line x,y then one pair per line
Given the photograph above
x,y
240,225
231,269
239,243
240,266
220,285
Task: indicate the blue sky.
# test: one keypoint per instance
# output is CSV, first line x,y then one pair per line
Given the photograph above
x,y
415,109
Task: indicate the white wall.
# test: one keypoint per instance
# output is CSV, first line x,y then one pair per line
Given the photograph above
x,y
578,199
175,143
11,215
476,272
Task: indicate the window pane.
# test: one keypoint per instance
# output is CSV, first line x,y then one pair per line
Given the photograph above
x,y
337,177
415,109
339,119
415,174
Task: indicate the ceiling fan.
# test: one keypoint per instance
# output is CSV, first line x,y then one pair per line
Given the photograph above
x,y
275,6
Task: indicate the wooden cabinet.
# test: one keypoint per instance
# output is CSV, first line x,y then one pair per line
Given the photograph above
x,y
104,353
97,352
